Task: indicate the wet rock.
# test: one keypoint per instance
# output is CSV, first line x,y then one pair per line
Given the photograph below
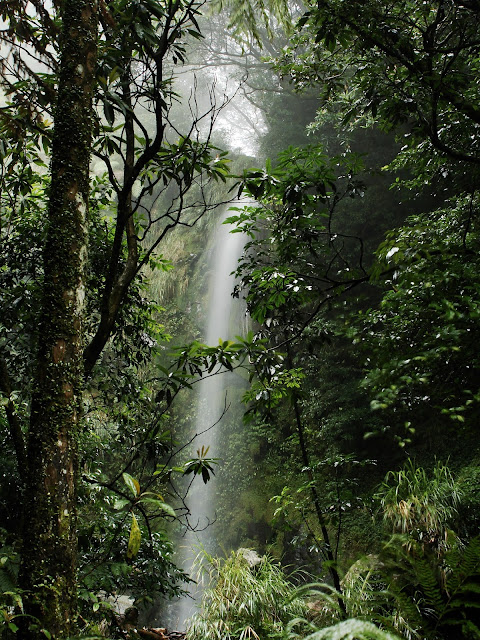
x,y
251,557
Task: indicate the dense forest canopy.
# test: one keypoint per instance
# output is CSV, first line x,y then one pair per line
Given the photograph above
x,y
348,150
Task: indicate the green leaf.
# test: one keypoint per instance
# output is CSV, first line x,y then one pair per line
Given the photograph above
x,y
109,113
120,503
160,504
134,539
132,484
167,508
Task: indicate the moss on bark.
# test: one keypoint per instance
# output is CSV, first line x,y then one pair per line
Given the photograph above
x,y
48,572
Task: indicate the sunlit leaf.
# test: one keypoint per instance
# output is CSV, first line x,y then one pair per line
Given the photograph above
x,y
134,539
132,484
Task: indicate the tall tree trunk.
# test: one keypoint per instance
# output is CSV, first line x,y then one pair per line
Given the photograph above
x,y
49,557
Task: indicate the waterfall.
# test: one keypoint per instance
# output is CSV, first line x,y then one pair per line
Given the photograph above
x,y
225,318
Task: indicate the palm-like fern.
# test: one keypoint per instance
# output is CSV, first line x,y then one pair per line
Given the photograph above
x,y
420,504
459,612
406,592
426,597
244,601
425,583
352,629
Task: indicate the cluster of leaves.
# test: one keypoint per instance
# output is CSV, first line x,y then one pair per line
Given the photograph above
x,y
244,601
410,68
22,214
421,340
408,62
350,629
338,477
120,553
425,581
125,501
298,254
11,602
424,505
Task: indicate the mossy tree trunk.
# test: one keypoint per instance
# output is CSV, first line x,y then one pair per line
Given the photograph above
x,y
49,556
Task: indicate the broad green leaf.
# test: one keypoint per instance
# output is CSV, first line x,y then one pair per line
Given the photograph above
x,y
134,539
160,505
120,503
132,484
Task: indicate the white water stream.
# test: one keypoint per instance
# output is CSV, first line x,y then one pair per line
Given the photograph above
x,y
225,319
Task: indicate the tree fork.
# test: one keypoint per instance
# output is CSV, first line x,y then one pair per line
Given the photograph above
x,y
49,554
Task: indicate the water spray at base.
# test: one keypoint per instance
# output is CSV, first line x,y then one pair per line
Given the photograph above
x,y
225,319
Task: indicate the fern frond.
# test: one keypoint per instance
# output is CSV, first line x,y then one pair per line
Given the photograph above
x,y
463,568
352,629
463,589
428,585
7,583
9,566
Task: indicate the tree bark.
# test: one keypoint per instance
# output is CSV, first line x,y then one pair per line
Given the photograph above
x,y
49,556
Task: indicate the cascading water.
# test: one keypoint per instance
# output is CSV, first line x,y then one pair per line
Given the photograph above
x,y
225,319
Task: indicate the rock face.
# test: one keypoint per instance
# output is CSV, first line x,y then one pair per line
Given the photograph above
x,y
126,623
119,603
132,631
251,557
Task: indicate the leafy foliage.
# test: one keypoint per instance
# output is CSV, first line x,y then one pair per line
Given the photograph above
x,y
244,601
9,563
306,256
424,506
416,587
426,323
407,62
407,66
351,629
246,19
149,177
